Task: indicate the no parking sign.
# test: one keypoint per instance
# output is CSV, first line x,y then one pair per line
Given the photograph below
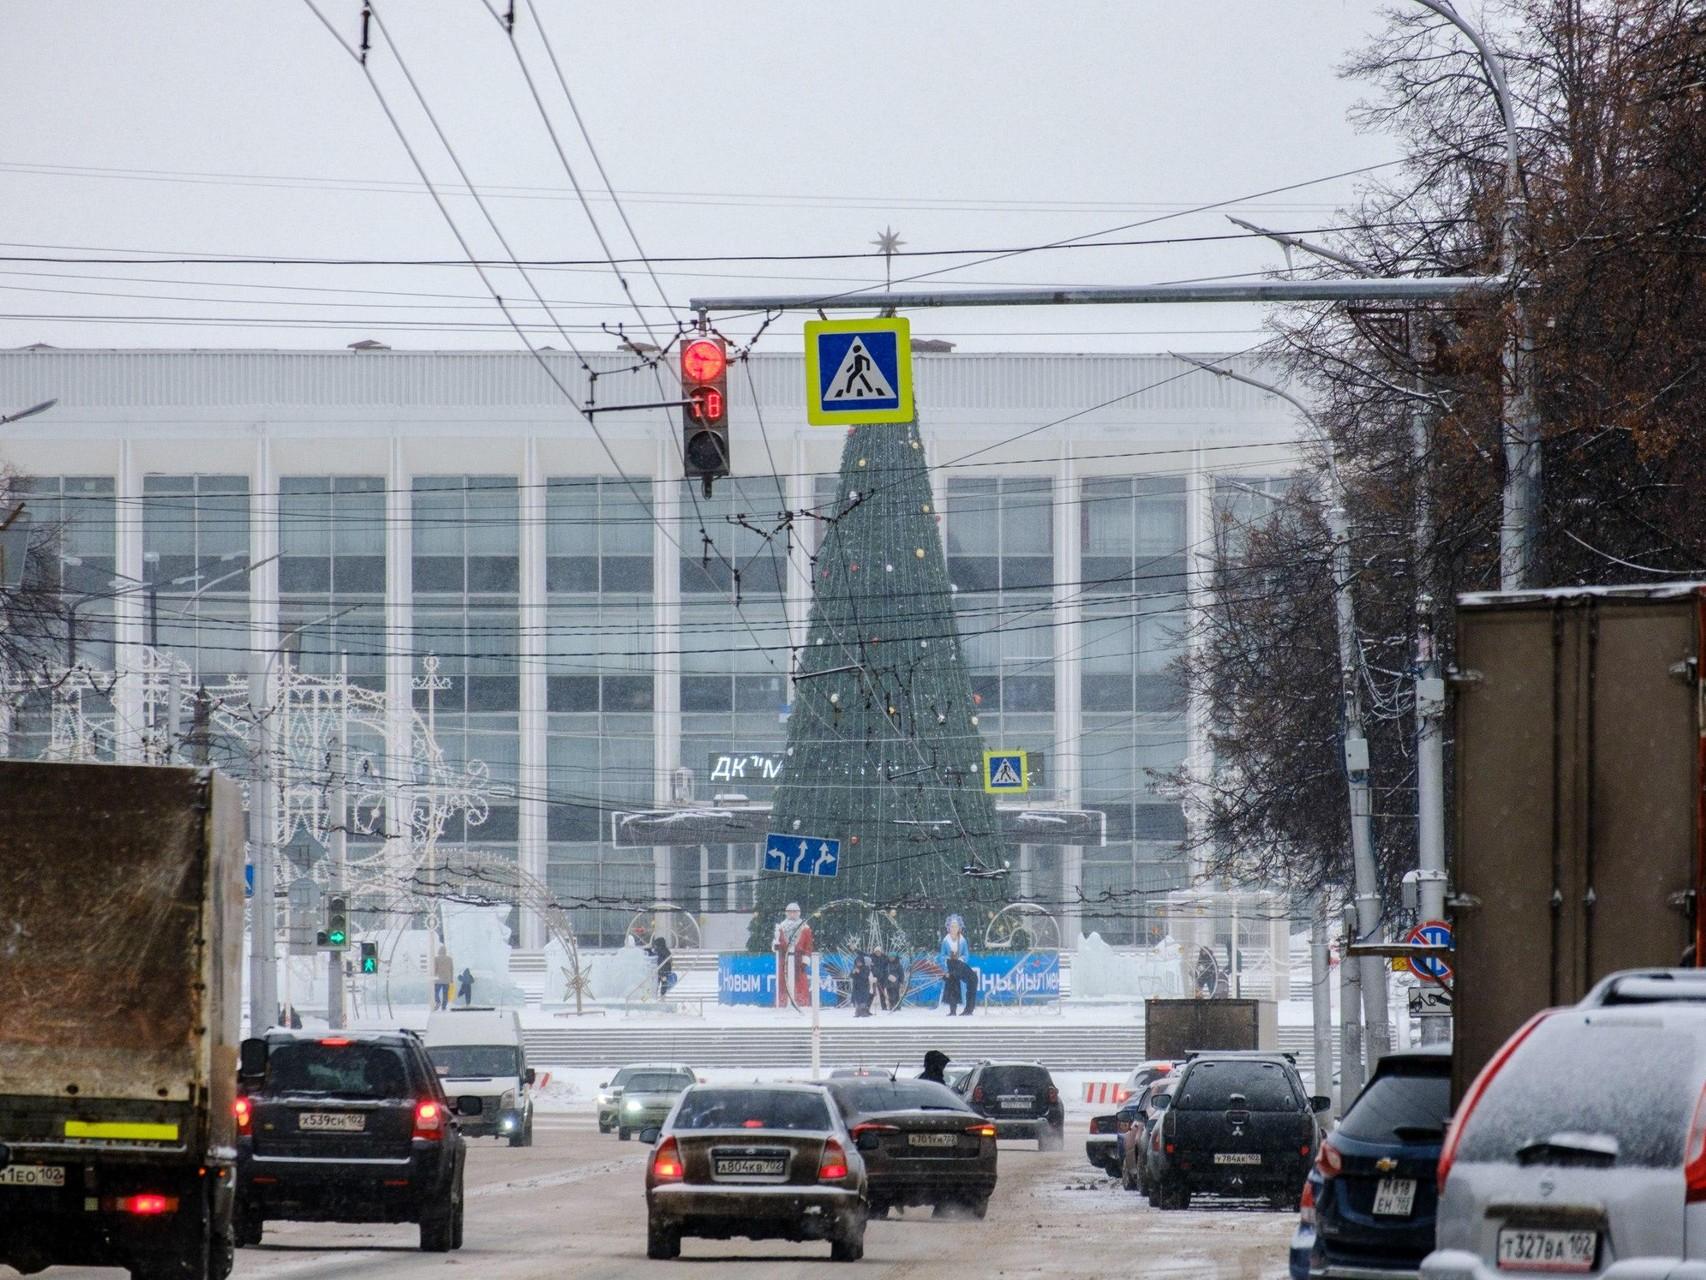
x,y
1430,933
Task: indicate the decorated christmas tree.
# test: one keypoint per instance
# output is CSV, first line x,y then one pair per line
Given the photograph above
x,y
884,751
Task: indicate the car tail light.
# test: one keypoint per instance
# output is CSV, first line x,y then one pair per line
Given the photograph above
x,y
1306,1206
147,1205
1694,1172
429,1120
860,1130
1329,1161
1472,1099
977,1094
666,1162
981,1130
244,1110
833,1166
336,1042
1096,1124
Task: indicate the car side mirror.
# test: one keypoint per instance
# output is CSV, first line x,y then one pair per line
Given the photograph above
x,y
252,1060
470,1104
529,1075
867,1142
1319,1103
604,1084
649,1135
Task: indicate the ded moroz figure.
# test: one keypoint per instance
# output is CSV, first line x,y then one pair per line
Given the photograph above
x,y
793,947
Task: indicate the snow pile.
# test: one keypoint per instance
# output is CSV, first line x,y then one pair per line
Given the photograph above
x,y
618,975
1098,971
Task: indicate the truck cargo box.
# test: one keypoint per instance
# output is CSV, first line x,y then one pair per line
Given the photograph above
x,y
1173,1028
1578,799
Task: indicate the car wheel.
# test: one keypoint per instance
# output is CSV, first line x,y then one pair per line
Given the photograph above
x,y
438,1224
625,1134
879,1209
1128,1179
246,1228
1151,1195
979,1206
662,1242
849,1246
602,1126
456,1225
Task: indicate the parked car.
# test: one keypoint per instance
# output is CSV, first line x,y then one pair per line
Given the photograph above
x,y
480,1051
1107,1134
610,1092
765,1162
1369,1205
1147,1073
1240,1124
352,1127
1135,1145
951,1076
1020,1098
1581,1146
647,1097
921,1143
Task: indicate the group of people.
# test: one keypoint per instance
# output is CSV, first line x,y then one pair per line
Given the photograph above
x,y
443,974
877,978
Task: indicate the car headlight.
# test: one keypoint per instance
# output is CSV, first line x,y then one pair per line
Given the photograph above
x,y
604,1099
633,1104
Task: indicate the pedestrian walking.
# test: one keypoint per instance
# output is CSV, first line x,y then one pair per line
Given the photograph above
x,y
864,984
465,987
443,974
660,954
935,1064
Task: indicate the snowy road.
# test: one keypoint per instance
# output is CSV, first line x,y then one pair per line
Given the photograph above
x,y
572,1206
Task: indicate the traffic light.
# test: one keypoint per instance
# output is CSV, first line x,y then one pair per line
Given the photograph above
x,y
705,415
337,922
370,957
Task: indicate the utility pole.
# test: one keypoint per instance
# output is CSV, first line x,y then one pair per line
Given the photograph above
x,y
263,933
1350,1026
1321,997
338,848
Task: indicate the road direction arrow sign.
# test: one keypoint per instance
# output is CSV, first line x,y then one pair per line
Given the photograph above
x,y
1004,773
1430,933
858,371
802,855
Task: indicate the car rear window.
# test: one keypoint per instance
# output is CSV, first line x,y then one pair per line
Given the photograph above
x,y
656,1082
1404,1107
349,1070
869,1098
1613,1075
752,1109
1020,1079
1218,1086
474,1061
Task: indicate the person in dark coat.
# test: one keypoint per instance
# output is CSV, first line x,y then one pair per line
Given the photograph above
x,y
889,978
935,1064
864,984
465,987
660,953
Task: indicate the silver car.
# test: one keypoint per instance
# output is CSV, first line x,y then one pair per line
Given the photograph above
x,y
1581,1150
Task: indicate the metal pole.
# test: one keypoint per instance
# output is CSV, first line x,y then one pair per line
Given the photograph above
x,y
1380,289
263,939
1321,998
817,1021
339,848
1350,1017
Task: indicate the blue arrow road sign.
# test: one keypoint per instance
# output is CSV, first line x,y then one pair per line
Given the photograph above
x,y
802,855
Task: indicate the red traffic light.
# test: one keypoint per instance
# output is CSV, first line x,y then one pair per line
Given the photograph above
x,y
707,405
702,360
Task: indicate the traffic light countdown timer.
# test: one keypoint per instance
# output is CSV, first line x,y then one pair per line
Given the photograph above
x,y
705,413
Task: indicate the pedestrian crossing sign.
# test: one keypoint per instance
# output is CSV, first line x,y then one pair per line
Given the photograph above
x,y
858,371
1004,773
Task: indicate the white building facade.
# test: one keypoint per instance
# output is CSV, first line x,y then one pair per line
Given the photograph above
x,y
607,637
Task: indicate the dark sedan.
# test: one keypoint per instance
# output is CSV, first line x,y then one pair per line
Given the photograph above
x,y
1373,1186
921,1144
1020,1099
766,1162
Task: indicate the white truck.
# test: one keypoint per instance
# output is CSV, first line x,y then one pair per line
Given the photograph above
x,y
478,1051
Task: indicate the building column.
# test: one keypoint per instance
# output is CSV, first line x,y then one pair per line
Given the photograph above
x,y
534,774
666,669
129,634
399,666
1199,568
1066,762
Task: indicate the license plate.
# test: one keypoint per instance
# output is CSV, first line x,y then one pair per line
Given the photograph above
x,y
1395,1197
1237,1157
1553,1251
1015,1101
331,1122
32,1175
933,1139
750,1166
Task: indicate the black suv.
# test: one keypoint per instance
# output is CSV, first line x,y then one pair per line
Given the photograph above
x,y
348,1127
1021,1100
1240,1124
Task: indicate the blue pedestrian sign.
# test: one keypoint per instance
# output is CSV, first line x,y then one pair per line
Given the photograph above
x,y
802,855
858,371
1431,933
1004,773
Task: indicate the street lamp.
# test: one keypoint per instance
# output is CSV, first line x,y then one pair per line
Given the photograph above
x,y
34,409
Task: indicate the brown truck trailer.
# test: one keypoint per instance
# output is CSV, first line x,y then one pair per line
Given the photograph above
x,y
1578,808
121,926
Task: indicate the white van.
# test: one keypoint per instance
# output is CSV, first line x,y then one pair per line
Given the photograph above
x,y
478,1050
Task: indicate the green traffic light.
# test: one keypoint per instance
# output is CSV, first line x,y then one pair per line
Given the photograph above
x,y
370,964
337,937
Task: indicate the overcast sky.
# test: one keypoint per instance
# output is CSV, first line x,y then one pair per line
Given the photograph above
x,y
241,128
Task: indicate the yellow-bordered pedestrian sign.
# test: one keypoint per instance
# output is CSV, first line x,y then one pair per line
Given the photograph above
x,y
858,371
1004,773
